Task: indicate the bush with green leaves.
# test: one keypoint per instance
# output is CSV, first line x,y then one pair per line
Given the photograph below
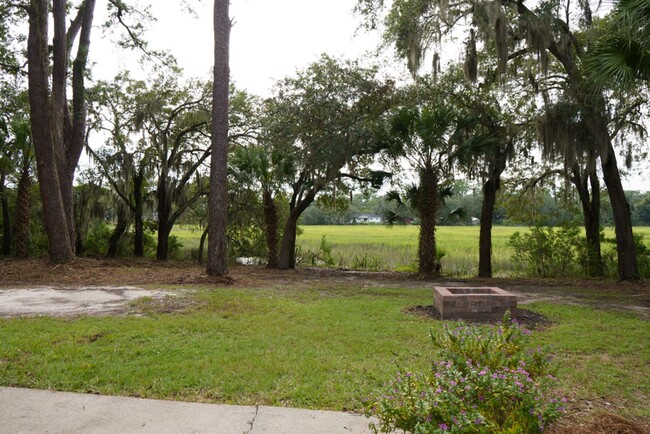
x,y
175,247
547,251
246,241
96,243
642,256
486,381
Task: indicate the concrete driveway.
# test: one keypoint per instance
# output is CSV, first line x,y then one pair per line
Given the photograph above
x,y
42,411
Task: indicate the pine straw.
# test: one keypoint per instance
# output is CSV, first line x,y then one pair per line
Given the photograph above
x,y
601,423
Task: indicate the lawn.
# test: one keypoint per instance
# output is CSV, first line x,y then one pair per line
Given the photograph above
x,y
312,345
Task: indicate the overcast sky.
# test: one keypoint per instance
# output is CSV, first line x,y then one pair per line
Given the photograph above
x,y
270,40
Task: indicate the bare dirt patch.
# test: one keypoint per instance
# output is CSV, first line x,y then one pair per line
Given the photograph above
x,y
68,301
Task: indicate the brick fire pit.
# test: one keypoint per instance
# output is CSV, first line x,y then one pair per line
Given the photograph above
x,y
472,302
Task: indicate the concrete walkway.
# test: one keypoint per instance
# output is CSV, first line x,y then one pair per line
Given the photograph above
x,y
43,411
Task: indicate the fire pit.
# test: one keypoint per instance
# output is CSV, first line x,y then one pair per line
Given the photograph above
x,y
472,302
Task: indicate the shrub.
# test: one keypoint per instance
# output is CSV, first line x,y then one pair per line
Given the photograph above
x,y
546,251
175,247
610,260
485,382
643,256
246,241
96,243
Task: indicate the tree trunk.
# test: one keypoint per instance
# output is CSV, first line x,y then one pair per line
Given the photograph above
x,y
204,235
164,212
138,211
79,247
6,223
287,257
591,217
218,199
23,211
59,130
625,248
429,202
271,223
58,137
490,188
75,128
55,219
162,251
120,228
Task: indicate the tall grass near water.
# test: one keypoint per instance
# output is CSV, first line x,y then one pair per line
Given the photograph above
x,y
396,248
380,248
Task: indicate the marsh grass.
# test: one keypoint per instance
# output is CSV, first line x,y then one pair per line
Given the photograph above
x,y
377,247
323,346
396,248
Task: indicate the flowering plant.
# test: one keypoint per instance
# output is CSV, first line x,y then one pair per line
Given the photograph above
x,y
486,382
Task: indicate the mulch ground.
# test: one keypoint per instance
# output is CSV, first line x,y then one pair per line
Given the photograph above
x,y
527,318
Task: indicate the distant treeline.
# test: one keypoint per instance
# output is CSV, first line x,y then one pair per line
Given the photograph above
x,y
553,207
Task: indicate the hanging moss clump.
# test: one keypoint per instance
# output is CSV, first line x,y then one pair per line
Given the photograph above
x,y
471,59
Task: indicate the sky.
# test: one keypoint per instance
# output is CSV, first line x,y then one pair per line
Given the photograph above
x,y
270,40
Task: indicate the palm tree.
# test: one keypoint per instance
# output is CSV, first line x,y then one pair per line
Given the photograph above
x,y
24,196
268,169
408,204
432,139
623,57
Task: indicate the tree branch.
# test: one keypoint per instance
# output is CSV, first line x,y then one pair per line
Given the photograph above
x,y
619,121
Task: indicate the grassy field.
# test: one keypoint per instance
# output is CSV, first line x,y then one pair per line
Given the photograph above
x,y
395,248
313,346
377,247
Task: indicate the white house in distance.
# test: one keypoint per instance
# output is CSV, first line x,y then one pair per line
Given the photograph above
x,y
369,218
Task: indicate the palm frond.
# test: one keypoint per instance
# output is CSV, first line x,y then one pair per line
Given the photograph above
x,y
621,61
446,193
392,218
394,196
476,145
412,194
459,212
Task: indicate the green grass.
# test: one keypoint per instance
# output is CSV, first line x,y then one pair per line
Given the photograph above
x,y
377,247
188,235
396,248
600,354
323,347
315,348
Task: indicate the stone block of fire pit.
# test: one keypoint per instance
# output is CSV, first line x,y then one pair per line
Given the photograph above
x,y
453,302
